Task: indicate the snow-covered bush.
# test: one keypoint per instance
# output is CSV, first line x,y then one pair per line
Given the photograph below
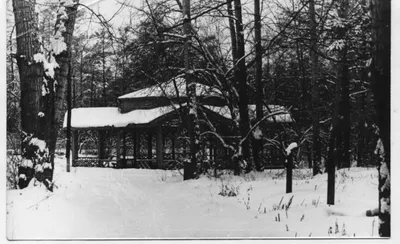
x,y
35,162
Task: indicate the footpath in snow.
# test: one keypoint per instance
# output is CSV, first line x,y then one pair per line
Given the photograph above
x,y
138,203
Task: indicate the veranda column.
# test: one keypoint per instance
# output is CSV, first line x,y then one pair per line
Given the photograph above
x,y
173,138
100,148
159,147
124,145
149,145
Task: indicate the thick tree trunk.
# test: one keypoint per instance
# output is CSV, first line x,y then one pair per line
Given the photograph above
x,y
315,91
31,73
31,80
380,73
41,97
54,101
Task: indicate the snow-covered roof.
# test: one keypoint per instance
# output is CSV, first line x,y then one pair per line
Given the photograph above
x,y
111,116
284,117
170,89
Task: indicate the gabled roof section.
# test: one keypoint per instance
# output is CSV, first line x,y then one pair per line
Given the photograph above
x,y
172,88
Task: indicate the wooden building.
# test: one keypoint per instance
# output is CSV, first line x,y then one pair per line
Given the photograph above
x,y
148,127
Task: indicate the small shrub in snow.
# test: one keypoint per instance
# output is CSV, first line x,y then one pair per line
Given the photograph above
x,y
250,176
247,202
315,202
228,190
278,218
277,207
344,176
344,230
336,227
287,206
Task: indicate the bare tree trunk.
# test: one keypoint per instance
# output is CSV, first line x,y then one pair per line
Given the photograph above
x,y
333,151
55,99
190,169
103,57
361,146
344,113
81,76
241,78
315,91
232,31
69,107
257,143
380,73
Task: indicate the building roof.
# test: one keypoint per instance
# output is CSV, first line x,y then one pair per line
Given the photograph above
x,y
171,88
101,117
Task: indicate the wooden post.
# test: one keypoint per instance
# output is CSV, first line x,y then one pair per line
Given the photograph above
x,y
123,144
135,141
289,173
159,147
211,150
149,145
124,148
118,142
74,147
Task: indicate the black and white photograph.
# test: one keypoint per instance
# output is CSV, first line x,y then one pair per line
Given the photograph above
x,y
198,119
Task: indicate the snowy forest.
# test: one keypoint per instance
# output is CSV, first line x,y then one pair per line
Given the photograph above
x,y
215,118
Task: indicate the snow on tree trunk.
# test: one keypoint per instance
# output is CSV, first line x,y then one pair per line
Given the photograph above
x,y
43,77
241,78
190,170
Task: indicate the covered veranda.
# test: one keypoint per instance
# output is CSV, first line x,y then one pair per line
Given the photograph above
x,y
143,138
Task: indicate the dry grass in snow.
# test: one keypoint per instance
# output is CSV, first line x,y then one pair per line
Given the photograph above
x,y
139,203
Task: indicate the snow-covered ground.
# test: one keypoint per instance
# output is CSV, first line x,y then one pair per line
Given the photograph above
x,y
139,203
